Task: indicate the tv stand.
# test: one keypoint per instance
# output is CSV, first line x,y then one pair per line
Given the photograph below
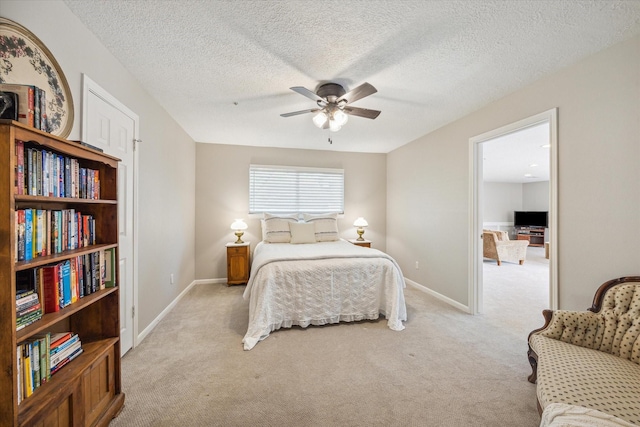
x,y
534,235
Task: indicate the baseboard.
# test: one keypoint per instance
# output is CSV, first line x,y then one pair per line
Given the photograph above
x,y
166,311
210,281
437,295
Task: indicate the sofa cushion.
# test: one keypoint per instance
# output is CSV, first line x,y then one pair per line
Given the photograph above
x,y
576,375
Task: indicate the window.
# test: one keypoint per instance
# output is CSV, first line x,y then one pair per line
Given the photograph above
x,y
288,189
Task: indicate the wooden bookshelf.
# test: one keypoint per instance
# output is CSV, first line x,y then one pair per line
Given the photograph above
x,y
87,390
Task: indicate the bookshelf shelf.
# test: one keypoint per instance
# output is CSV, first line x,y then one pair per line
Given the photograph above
x,y
87,389
51,319
66,200
48,259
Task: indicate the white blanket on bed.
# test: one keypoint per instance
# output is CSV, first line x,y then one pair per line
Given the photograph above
x,y
321,283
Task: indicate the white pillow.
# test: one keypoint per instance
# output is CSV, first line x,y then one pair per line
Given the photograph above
x,y
302,232
276,227
326,226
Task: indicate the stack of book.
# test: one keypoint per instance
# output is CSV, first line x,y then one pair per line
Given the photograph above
x,y
41,172
42,232
28,309
28,105
41,357
65,347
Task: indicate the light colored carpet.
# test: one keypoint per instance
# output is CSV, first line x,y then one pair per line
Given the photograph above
x,y
447,368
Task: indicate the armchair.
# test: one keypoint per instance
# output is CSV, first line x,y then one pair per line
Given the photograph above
x,y
496,245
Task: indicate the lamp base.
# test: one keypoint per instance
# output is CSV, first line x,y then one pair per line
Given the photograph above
x,y
239,234
360,232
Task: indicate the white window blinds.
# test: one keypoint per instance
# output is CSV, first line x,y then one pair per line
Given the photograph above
x,y
288,189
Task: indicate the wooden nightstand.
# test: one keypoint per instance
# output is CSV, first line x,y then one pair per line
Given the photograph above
x,y
238,263
363,243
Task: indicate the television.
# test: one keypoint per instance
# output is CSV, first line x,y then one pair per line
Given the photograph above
x,y
531,219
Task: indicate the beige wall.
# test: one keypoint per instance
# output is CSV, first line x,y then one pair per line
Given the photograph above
x,y
222,194
599,180
167,154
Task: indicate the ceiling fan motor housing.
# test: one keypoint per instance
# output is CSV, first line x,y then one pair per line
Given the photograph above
x,y
330,91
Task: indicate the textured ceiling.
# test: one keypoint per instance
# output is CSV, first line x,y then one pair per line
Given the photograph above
x,y
223,69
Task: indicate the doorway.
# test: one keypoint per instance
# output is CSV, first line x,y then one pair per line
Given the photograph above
x,y
476,285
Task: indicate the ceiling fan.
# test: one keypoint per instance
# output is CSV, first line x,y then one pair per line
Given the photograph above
x,y
334,104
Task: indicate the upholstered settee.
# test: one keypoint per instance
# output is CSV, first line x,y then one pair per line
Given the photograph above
x,y
591,359
496,245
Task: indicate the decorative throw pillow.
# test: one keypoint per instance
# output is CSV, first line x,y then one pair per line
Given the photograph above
x,y
276,227
326,226
302,232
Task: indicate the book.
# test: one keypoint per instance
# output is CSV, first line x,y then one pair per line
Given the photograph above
x,y
110,268
19,369
35,363
102,270
65,273
36,107
44,124
37,165
27,379
51,288
20,236
28,234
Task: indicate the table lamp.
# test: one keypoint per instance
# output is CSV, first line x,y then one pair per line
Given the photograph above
x,y
360,223
239,225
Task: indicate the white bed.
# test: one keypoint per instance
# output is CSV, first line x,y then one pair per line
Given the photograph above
x,y
321,283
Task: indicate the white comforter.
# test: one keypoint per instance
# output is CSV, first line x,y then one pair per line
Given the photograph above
x,y
321,283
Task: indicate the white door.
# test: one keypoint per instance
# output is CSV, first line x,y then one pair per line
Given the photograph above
x,y
111,126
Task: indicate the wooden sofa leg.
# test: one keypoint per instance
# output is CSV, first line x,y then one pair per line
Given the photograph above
x,y
499,263
521,261
533,361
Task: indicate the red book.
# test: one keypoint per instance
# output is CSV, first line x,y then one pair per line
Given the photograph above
x,y
50,283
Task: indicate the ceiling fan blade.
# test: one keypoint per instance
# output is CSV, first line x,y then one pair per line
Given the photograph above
x,y
361,112
306,92
365,89
295,113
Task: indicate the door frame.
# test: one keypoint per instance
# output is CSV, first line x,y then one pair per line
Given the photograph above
x,y
476,194
89,86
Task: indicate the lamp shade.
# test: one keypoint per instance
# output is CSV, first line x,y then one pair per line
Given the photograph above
x,y
340,117
360,222
239,224
320,119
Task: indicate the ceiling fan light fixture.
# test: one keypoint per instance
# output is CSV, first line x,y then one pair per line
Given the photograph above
x,y
320,119
334,126
340,117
